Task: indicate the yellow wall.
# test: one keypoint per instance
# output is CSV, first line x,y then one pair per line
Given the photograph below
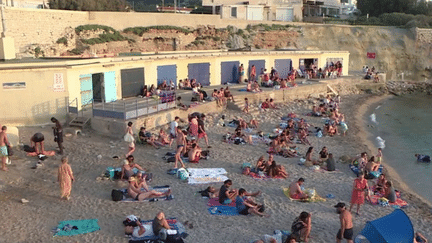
x,y
37,102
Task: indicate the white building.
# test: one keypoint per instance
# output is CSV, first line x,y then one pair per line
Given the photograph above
x,y
25,3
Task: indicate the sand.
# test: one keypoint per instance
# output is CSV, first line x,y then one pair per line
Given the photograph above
x,y
32,222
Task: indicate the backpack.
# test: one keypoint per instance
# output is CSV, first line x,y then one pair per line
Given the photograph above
x,y
296,226
116,195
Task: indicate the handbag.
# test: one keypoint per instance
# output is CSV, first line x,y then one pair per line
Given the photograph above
x,y
128,138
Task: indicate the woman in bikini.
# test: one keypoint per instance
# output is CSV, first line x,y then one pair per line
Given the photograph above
x,y
260,165
275,170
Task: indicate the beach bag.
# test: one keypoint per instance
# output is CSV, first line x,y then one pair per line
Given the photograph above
x,y
182,174
128,138
116,195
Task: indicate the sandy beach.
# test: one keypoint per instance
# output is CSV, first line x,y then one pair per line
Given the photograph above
x,y
91,198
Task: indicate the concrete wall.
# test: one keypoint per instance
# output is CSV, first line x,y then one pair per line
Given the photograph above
x,y
35,103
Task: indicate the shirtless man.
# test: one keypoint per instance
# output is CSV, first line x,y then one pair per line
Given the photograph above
x,y
296,191
134,191
127,169
181,143
3,147
346,230
194,154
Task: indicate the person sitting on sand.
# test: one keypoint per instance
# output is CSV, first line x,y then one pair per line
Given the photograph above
x,y
127,168
247,206
146,137
302,226
227,195
249,86
283,84
423,158
302,136
419,238
331,129
275,170
323,155
163,138
272,104
309,160
265,104
134,191
330,163
194,154
253,123
371,166
138,231
215,96
246,138
390,192
160,226
260,165
296,191
228,94
380,184
360,161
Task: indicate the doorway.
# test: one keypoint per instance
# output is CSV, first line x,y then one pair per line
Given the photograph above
x,y
98,87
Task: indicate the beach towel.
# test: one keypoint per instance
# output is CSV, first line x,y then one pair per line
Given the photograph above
x,y
257,139
148,236
223,210
206,175
126,198
356,170
46,153
111,172
76,227
314,198
214,202
398,204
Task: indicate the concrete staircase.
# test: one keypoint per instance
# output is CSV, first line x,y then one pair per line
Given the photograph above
x,y
239,104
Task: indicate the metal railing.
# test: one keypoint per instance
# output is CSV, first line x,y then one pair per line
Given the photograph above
x,y
71,108
135,108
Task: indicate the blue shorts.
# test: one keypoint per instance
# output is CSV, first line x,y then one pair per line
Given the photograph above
x,y
227,201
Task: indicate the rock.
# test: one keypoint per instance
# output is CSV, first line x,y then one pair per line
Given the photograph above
x,y
24,201
99,157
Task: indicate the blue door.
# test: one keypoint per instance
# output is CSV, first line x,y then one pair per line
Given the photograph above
x,y
259,65
168,73
229,72
283,66
110,86
86,89
200,72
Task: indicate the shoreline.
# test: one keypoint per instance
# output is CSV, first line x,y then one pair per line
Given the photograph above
x,y
391,173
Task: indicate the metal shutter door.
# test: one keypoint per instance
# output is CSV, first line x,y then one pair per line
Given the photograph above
x,y
258,65
132,82
200,72
167,72
229,72
254,13
283,66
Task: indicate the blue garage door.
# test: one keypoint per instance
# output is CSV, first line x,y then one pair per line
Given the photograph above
x,y
168,73
229,72
200,72
110,86
259,65
283,66
86,89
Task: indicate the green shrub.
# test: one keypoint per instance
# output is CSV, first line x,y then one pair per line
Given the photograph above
x,y
62,40
81,28
106,37
216,38
79,50
37,51
141,30
395,19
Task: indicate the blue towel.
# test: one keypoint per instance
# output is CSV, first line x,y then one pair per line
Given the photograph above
x,y
223,210
242,90
84,226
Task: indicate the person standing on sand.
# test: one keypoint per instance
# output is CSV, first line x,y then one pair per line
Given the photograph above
x,y
65,178
131,144
253,73
58,134
241,73
360,187
3,147
181,144
346,229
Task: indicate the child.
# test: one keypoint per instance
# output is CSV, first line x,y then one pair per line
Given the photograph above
x,y
246,107
379,156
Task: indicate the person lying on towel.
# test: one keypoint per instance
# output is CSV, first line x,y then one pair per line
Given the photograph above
x,y
296,191
139,191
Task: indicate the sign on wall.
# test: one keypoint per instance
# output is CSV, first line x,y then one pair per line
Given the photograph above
x,y
16,85
58,83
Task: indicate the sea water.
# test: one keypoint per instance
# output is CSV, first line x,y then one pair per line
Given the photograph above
x,y
403,125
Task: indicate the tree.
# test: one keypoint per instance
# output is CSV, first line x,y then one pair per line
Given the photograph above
x,y
377,7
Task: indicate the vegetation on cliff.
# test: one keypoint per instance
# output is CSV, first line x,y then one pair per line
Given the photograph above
x,y
90,5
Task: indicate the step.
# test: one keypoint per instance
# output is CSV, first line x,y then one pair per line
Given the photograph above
x,y
79,121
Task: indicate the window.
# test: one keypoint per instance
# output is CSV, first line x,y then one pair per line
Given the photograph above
x,y
234,12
